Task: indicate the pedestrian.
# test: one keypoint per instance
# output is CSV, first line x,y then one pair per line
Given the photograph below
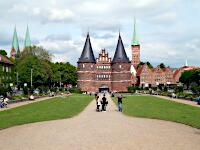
x,y
104,103
96,98
98,103
119,98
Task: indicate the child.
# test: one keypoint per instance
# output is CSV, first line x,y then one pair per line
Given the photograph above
x,y
98,104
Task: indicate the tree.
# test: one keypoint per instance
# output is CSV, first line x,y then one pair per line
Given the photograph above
x,y
41,53
3,52
149,65
140,64
64,72
186,78
162,65
41,71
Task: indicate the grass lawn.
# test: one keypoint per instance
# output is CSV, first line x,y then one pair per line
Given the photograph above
x,y
52,109
157,108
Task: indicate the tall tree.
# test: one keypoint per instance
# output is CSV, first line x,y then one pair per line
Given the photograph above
x,y
162,65
41,74
41,53
3,52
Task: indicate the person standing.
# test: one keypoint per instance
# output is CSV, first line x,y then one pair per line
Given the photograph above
x,y
119,98
98,103
104,102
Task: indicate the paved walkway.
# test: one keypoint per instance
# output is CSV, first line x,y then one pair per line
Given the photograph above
x,y
93,130
13,105
180,100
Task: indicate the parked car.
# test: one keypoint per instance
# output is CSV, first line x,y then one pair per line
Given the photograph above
x,y
197,100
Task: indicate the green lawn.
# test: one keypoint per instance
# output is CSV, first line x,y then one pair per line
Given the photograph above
x,y
157,108
52,109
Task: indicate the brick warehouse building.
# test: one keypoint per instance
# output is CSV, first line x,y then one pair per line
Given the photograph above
x,y
103,73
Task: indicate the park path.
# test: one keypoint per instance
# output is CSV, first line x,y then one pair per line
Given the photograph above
x,y
192,103
93,130
13,105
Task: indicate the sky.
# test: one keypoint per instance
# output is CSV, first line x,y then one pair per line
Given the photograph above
x,y
168,30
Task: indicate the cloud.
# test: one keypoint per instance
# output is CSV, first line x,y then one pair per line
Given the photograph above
x,y
168,30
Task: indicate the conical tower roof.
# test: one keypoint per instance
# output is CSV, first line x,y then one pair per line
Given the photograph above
x,y
27,42
15,43
135,40
87,53
120,53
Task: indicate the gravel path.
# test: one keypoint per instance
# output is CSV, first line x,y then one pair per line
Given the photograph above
x,y
13,105
93,130
179,100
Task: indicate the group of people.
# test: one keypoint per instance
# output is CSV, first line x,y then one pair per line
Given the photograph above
x,y
102,103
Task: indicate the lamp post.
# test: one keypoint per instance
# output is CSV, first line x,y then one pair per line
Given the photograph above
x,y
31,77
60,80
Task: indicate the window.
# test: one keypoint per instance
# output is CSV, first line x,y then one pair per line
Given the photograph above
x,y
120,66
83,65
6,68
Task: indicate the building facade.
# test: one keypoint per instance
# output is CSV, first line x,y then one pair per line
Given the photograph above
x,y
148,77
6,70
103,73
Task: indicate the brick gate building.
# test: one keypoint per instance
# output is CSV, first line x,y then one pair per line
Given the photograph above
x,y
103,73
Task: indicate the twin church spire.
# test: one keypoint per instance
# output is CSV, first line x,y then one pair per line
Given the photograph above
x,y
15,50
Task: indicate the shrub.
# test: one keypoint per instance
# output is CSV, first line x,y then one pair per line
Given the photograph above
x,y
25,90
74,90
3,91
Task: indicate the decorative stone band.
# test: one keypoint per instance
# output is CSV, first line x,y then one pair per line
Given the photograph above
x,y
103,72
86,72
103,81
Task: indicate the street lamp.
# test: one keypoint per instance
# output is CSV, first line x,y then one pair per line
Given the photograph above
x,y
31,77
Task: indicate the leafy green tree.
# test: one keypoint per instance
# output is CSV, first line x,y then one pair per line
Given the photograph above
x,y
3,52
41,71
140,64
149,65
162,65
41,53
64,72
186,78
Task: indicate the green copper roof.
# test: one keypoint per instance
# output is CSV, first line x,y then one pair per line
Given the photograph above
x,y
27,42
15,43
135,40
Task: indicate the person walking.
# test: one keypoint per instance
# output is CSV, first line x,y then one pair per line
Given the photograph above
x,y
104,103
119,98
98,103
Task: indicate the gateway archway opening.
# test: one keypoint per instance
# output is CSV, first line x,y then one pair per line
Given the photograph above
x,y
104,88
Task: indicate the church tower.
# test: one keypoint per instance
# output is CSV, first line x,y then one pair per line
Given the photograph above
x,y
15,45
86,68
27,43
135,46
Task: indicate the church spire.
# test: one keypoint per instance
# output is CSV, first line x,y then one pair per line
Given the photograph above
x,y
15,44
186,62
27,42
120,53
87,53
135,40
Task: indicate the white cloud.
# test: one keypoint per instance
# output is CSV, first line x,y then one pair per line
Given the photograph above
x,y
60,15
167,29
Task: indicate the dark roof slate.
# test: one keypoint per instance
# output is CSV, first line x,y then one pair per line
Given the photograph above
x,y
87,53
120,53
